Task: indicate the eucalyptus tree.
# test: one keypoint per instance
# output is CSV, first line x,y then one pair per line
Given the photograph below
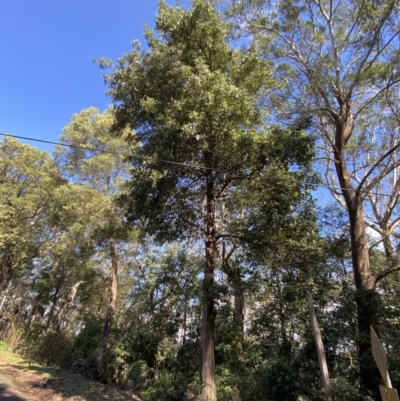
x,y
28,179
162,301
76,211
378,132
193,102
337,61
94,159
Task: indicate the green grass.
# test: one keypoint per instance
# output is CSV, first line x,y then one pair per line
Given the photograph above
x,y
8,357
4,346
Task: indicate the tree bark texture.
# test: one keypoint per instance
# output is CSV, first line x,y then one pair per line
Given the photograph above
x,y
66,302
35,310
54,303
233,273
209,390
238,316
101,354
364,279
320,349
6,271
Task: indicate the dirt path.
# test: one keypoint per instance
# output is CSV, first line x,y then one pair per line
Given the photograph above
x,y
24,380
8,391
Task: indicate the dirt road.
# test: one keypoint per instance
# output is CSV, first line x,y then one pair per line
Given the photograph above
x,y
24,380
8,389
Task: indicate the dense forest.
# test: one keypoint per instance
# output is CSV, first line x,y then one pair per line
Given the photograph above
x,y
250,157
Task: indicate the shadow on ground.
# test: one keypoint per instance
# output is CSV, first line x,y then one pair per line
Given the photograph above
x,y
7,394
46,382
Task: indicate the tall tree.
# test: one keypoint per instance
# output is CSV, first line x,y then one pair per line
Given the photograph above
x,y
27,177
96,160
193,101
337,61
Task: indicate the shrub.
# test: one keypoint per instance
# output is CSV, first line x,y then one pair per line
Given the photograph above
x,y
49,348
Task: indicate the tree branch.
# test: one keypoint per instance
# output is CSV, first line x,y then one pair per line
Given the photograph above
x,y
383,274
370,100
194,225
382,174
373,42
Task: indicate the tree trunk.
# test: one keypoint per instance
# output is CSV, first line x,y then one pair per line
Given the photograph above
x,y
367,313
6,271
101,354
235,280
388,247
35,310
209,390
320,349
184,328
238,315
54,303
66,302
286,349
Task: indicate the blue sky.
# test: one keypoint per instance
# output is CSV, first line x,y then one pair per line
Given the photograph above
x,y
46,52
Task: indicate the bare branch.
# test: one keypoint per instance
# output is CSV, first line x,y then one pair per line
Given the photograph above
x,y
383,274
382,174
370,100
373,42
194,225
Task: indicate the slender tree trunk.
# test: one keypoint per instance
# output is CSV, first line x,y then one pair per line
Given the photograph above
x,y
364,279
184,320
66,302
6,271
35,310
235,280
102,351
286,348
113,293
388,247
54,303
3,283
3,302
209,391
238,315
320,349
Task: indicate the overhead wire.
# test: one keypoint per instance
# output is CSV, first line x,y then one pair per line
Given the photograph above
x,y
162,161
112,153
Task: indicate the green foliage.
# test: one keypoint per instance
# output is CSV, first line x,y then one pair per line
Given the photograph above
x,y
4,346
227,381
193,100
28,178
118,367
49,348
172,387
14,336
88,338
136,369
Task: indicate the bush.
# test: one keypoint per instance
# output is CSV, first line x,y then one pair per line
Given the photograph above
x,y
87,340
14,336
172,387
49,348
227,385
118,368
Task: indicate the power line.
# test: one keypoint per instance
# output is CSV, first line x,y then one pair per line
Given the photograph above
x,y
112,153
164,161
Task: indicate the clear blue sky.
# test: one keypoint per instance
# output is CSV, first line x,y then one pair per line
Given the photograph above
x,y
46,52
